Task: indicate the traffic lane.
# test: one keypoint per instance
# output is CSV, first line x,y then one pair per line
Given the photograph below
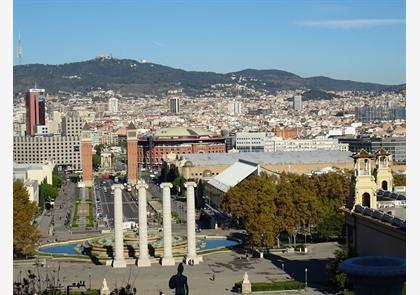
x,y
130,209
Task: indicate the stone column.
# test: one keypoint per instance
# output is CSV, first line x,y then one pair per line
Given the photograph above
x,y
119,261
191,222
167,258
143,259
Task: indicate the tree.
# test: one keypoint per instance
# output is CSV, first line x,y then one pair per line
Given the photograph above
x,y
331,226
179,182
57,181
340,279
173,173
399,179
296,204
96,161
252,203
25,233
98,149
164,172
47,191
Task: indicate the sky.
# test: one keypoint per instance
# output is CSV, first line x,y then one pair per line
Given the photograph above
x,y
360,40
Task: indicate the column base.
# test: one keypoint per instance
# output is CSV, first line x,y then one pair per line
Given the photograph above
x,y
88,183
143,262
194,259
132,181
119,264
167,261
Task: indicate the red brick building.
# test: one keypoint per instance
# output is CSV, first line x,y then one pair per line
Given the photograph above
x,y
286,132
178,140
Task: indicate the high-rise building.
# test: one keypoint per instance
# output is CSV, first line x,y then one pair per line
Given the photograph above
x,y
235,107
174,104
297,102
113,105
35,110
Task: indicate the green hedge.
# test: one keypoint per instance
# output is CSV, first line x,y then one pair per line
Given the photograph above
x,y
278,286
76,215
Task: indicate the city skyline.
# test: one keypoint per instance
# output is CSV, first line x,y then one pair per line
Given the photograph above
x,y
357,40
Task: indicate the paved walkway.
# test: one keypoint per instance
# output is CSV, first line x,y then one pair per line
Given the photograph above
x,y
228,269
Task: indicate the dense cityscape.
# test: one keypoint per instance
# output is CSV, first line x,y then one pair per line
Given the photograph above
x,y
184,175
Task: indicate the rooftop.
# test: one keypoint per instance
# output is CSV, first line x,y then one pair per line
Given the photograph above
x,y
233,175
290,157
182,131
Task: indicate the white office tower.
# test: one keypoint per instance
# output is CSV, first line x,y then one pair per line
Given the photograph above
x,y
297,102
113,105
174,105
235,107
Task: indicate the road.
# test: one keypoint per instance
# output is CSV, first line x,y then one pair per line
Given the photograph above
x,y
60,216
104,193
106,197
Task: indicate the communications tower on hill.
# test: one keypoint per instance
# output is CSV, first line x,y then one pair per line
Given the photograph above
x,y
20,51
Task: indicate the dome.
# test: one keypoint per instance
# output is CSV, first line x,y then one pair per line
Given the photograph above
x,y
188,164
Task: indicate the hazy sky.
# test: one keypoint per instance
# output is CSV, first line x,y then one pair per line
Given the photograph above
x,y
362,40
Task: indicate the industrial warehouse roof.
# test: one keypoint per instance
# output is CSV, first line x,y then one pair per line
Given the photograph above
x,y
300,157
182,131
233,175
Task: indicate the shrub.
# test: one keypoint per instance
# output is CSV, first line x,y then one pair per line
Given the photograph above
x,y
278,286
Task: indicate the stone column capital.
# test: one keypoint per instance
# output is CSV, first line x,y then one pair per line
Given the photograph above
x,y
190,183
166,184
141,184
117,186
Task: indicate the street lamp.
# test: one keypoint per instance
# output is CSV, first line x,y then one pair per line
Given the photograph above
x,y
90,281
306,277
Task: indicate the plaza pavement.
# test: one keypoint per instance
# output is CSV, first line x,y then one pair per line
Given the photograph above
x,y
228,267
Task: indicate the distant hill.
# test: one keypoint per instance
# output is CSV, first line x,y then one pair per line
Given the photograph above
x,y
131,77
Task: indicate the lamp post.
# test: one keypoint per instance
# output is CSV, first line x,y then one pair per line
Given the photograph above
x,y
306,277
90,281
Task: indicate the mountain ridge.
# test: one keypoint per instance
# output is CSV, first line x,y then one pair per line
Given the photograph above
x,y
135,78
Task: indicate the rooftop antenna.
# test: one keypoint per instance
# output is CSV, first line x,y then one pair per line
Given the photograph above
x,y
20,51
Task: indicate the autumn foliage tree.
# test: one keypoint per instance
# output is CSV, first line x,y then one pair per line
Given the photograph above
x,y
292,203
25,233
